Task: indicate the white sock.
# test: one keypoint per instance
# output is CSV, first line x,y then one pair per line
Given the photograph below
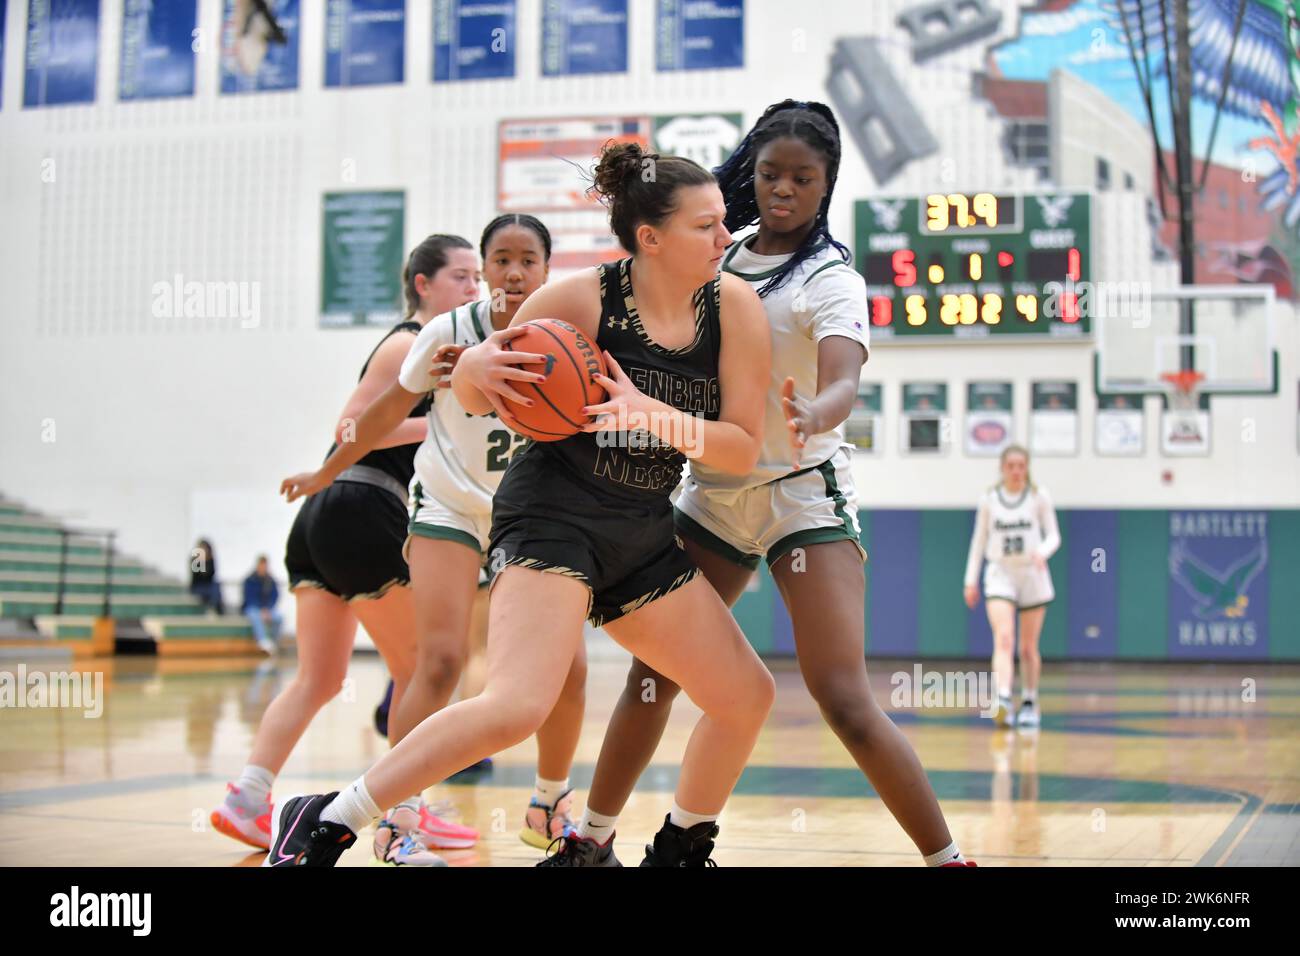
x,y
949,854
685,819
410,803
1027,695
546,792
353,807
256,781
596,826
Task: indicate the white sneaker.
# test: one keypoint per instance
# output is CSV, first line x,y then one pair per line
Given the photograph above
x,y
1002,715
1028,716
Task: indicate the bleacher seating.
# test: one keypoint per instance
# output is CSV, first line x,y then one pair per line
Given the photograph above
x,y
159,607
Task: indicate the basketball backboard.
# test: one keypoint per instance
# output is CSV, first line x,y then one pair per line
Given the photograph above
x,y
1228,339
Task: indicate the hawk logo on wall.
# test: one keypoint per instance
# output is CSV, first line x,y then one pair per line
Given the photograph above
x,y
1217,594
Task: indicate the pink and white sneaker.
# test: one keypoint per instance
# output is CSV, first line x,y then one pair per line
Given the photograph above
x,y
395,847
437,831
243,818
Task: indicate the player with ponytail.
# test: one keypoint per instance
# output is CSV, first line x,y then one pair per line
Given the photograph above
x,y
582,528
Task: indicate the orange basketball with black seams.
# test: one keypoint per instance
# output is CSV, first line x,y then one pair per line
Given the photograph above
x,y
572,362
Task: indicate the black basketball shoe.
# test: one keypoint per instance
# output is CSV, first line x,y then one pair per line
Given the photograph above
x,y
299,837
574,850
674,846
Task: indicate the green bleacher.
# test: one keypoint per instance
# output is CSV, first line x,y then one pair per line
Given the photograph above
x,y
33,559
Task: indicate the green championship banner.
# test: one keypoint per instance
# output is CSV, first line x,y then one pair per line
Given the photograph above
x,y
361,258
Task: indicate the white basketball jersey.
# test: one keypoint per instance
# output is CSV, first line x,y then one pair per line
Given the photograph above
x,y
463,456
1015,530
823,296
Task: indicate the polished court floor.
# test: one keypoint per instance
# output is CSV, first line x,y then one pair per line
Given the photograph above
x,y
1135,765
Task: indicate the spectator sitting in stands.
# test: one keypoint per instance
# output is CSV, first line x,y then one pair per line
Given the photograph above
x,y
260,597
203,577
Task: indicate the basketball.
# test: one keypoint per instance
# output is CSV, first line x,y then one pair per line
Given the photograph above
x,y
572,362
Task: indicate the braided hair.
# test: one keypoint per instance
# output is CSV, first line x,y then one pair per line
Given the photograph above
x,y
811,123
516,219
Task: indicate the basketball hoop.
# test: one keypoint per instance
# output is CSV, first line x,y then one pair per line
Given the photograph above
x,y
1184,427
1183,390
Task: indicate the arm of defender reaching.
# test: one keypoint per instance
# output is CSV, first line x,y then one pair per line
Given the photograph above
x,y
381,374
381,417
833,312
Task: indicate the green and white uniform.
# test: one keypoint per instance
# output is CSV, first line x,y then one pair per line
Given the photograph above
x,y
463,456
1009,531
777,507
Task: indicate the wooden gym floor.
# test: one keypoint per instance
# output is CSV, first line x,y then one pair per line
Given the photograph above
x,y
1135,765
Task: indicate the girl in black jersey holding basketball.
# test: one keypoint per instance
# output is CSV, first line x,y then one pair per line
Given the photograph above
x,y
344,557
579,532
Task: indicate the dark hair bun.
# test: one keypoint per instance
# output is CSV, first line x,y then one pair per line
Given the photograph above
x,y
619,162
620,181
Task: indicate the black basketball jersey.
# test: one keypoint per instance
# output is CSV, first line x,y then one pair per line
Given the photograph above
x,y
634,467
399,460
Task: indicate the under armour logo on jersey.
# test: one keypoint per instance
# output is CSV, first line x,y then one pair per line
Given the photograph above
x,y
616,323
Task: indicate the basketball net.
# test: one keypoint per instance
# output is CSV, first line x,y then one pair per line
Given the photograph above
x,y
1184,390
1185,431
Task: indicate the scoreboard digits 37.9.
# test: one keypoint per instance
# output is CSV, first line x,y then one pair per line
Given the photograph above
x,y
971,266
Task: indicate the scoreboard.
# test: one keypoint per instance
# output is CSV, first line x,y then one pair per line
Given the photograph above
x,y
975,266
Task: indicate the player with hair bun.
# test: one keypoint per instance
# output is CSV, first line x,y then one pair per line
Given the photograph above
x,y
582,527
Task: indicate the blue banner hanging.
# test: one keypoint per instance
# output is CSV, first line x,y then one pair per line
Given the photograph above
x,y
62,52
259,53
584,36
473,41
157,49
365,42
699,34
